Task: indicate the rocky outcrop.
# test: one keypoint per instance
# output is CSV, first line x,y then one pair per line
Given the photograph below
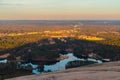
x,y
105,71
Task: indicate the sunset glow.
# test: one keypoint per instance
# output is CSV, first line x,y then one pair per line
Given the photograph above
x,y
59,9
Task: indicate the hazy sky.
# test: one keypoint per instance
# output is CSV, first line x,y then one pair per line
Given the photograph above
x,y
60,9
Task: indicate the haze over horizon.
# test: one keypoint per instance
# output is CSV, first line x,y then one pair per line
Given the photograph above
x,y
59,9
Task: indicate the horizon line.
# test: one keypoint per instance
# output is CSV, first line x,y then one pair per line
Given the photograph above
x,y
60,19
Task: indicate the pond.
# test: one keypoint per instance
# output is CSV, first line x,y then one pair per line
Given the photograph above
x,y
3,60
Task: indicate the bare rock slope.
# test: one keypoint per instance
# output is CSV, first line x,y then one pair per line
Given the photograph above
x,y
105,71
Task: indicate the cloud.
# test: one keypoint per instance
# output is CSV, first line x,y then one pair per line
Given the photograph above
x,y
6,2
11,4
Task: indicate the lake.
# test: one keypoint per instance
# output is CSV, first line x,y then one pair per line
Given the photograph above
x,y
61,65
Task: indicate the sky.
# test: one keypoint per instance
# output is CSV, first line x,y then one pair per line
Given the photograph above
x,y
59,9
